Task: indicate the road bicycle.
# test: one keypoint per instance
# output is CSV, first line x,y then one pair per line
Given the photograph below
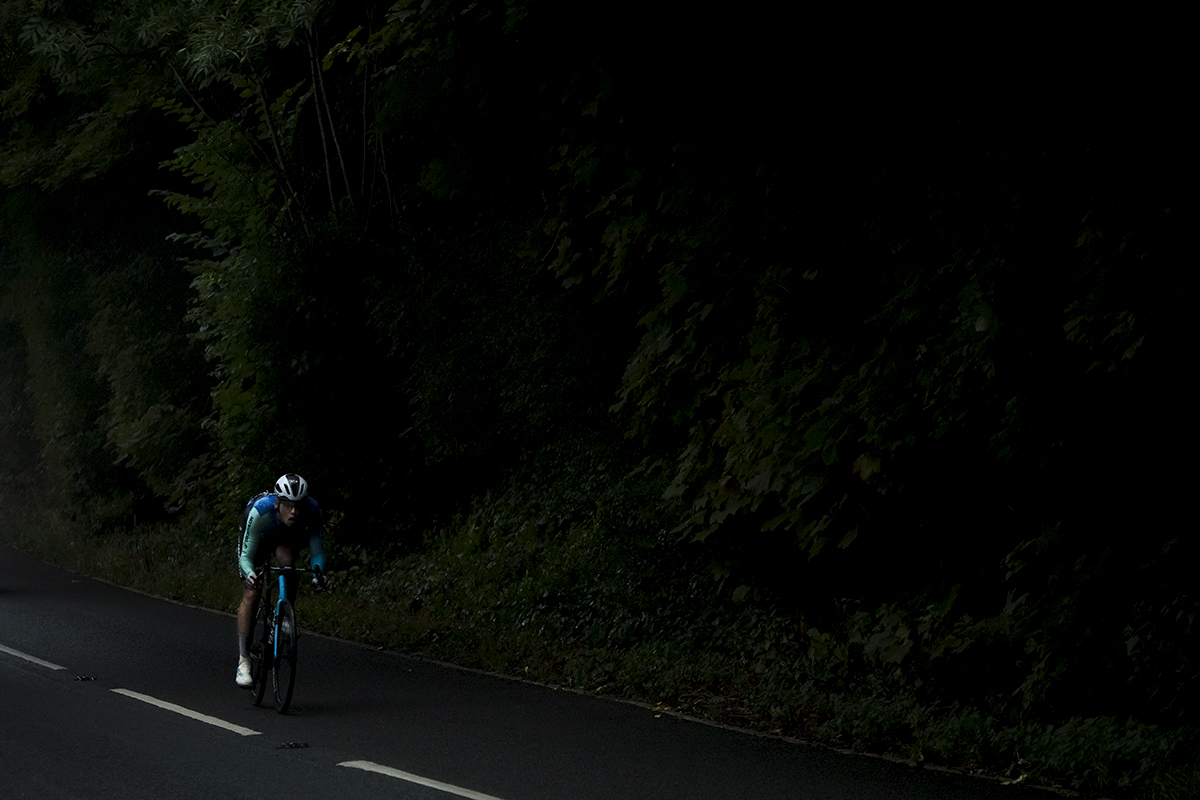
x,y
273,644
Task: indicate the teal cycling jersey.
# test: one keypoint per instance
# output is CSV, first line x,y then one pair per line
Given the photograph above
x,y
264,528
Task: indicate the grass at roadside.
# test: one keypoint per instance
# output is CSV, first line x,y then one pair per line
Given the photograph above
x,y
161,560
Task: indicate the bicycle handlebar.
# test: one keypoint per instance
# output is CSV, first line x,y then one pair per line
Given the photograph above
x,y
265,567
322,587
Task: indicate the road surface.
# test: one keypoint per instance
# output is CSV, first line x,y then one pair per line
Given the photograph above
x,y
110,693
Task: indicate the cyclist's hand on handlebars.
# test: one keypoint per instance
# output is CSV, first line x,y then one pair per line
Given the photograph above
x,y
252,581
320,582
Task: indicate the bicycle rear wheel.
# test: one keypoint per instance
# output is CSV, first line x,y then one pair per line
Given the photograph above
x,y
260,653
283,672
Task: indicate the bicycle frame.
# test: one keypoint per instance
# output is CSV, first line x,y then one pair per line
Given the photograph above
x,y
276,651
281,598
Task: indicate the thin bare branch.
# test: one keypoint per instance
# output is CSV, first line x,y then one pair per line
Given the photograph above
x,y
329,116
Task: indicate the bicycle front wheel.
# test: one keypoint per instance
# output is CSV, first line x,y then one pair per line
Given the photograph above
x,y
283,673
260,653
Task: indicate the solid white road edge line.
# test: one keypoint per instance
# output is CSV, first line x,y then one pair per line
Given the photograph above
x,y
370,766
28,657
187,712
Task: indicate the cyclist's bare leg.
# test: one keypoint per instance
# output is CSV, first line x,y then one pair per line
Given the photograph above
x,y
245,615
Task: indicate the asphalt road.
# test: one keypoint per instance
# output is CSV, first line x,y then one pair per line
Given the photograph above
x,y
108,693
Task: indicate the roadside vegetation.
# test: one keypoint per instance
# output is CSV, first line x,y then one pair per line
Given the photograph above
x,y
657,370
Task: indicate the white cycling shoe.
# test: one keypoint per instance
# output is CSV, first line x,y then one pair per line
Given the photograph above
x,y
244,678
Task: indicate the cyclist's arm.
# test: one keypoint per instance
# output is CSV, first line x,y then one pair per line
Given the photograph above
x,y
317,549
250,539
316,539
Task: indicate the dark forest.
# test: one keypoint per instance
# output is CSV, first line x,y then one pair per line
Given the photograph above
x,y
778,375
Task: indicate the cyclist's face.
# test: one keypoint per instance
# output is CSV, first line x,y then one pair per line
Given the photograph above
x,y
287,511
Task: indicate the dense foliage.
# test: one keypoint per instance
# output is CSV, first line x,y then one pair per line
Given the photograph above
x,y
864,388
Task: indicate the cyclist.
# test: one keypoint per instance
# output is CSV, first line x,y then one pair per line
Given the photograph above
x,y
283,522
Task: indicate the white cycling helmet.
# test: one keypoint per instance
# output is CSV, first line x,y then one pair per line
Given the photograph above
x,y
291,487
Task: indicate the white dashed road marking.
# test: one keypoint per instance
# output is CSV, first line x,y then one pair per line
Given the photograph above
x,y
28,657
187,712
370,766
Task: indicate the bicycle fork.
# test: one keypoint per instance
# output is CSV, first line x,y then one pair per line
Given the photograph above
x,y
278,606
